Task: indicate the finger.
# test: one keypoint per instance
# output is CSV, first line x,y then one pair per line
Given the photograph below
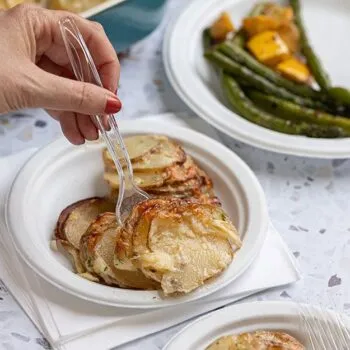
x,y
86,124
101,49
70,129
50,67
54,114
59,93
87,128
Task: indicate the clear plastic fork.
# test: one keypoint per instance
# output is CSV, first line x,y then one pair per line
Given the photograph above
x,y
325,330
85,70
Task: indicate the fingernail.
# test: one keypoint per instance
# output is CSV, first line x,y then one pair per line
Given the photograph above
x,y
113,105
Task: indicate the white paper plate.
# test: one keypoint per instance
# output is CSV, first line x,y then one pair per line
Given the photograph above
x,y
249,317
198,86
61,174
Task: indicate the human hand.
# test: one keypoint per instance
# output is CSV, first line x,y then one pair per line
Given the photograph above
x,y
35,70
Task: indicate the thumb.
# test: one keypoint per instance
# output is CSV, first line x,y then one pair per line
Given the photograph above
x,y
58,93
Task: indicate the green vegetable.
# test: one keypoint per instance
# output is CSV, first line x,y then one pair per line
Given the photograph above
x,y
241,56
240,37
247,110
340,95
291,111
251,79
313,61
206,39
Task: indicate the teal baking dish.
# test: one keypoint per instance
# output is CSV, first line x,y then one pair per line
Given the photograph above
x,y
127,21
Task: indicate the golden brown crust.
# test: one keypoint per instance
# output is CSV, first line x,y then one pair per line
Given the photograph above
x,y
181,172
191,185
260,340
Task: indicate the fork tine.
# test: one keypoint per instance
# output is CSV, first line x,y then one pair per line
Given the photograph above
x,y
340,332
304,315
336,323
325,330
343,331
318,329
339,326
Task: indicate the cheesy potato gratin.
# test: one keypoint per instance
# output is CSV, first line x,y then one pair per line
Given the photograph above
x,y
260,340
174,242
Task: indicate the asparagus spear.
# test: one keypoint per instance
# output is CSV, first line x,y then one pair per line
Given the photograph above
x,y
248,77
244,58
340,95
316,67
206,39
248,111
291,111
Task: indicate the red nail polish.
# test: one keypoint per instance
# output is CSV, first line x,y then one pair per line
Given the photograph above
x,y
112,106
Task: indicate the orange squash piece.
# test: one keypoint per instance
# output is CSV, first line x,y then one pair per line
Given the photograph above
x,y
291,36
294,69
268,48
222,27
283,15
258,24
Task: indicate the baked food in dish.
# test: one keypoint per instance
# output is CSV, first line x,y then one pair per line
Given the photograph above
x,y
178,243
175,242
260,340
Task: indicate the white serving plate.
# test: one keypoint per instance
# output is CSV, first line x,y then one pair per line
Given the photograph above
x,y
195,82
248,317
61,174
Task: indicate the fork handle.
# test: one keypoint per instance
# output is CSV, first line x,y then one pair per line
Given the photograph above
x,y
85,70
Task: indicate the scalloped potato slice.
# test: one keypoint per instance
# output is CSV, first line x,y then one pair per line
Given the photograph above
x,y
187,186
73,255
76,218
181,172
184,244
173,175
260,340
143,180
97,252
124,255
137,147
167,154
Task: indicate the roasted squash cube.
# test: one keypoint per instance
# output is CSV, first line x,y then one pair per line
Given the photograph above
x,y
294,69
221,27
290,34
258,24
282,14
268,48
